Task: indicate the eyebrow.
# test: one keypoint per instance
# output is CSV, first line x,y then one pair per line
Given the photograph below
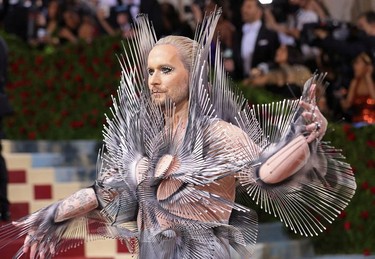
x,y
162,65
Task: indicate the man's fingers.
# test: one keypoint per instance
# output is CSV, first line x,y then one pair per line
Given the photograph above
x,y
33,250
52,249
306,106
312,93
314,135
16,223
42,253
314,128
26,244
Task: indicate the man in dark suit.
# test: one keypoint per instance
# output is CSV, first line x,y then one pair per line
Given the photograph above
x,y
254,44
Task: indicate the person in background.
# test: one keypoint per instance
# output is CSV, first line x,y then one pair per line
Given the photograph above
x,y
5,110
253,44
307,12
53,21
341,53
286,77
70,26
225,30
172,22
46,26
359,103
77,26
364,42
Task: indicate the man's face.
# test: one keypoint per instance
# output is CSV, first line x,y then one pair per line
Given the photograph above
x,y
167,76
250,12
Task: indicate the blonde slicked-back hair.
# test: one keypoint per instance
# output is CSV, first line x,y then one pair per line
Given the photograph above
x,y
187,48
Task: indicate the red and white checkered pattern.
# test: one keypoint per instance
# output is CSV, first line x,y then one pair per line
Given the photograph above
x,y
30,189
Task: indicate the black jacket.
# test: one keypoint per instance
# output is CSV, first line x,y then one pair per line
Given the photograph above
x,y
267,43
348,49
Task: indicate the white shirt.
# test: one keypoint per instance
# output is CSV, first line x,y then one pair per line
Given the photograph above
x,y
249,36
303,17
134,7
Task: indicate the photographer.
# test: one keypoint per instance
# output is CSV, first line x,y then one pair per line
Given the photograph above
x,y
341,43
364,42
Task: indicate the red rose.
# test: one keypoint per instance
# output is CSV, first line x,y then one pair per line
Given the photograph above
x,y
370,164
66,75
371,143
64,113
347,225
78,78
76,124
346,127
350,136
38,60
96,61
366,252
31,135
364,214
82,60
365,185
342,215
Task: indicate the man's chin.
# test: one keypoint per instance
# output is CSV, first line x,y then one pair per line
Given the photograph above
x,y
158,102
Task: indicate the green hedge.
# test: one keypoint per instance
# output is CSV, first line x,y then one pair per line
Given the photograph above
x,y
353,231
63,94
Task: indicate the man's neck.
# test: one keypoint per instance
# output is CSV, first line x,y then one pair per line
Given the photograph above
x,y
180,118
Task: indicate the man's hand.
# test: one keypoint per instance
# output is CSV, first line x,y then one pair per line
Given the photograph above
x,y
33,240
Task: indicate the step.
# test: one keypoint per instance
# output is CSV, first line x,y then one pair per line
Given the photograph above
x,y
74,153
342,256
289,249
22,160
18,160
6,145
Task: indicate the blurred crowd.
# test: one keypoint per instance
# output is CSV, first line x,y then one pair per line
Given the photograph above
x,y
276,45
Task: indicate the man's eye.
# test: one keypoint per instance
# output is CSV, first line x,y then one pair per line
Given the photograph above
x,y
150,72
166,70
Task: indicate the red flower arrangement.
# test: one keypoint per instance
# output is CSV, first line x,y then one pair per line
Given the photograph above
x,y
60,88
347,225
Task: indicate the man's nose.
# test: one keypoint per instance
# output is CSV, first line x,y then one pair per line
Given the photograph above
x,y
154,79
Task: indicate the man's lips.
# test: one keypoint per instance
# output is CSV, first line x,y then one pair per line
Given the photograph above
x,y
156,92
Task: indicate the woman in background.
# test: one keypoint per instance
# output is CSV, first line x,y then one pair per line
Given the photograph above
x,y
359,103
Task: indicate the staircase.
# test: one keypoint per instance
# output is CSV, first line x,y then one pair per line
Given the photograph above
x,y
41,172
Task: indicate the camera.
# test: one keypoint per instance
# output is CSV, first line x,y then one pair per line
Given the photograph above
x,y
339,30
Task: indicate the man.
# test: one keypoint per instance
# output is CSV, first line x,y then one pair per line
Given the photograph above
x,y
307,12
254,43
171,167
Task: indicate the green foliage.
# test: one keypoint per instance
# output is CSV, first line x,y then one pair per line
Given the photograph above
x,y
353,231
63,93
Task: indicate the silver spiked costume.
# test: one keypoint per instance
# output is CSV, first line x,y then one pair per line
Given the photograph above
x,y
179,219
